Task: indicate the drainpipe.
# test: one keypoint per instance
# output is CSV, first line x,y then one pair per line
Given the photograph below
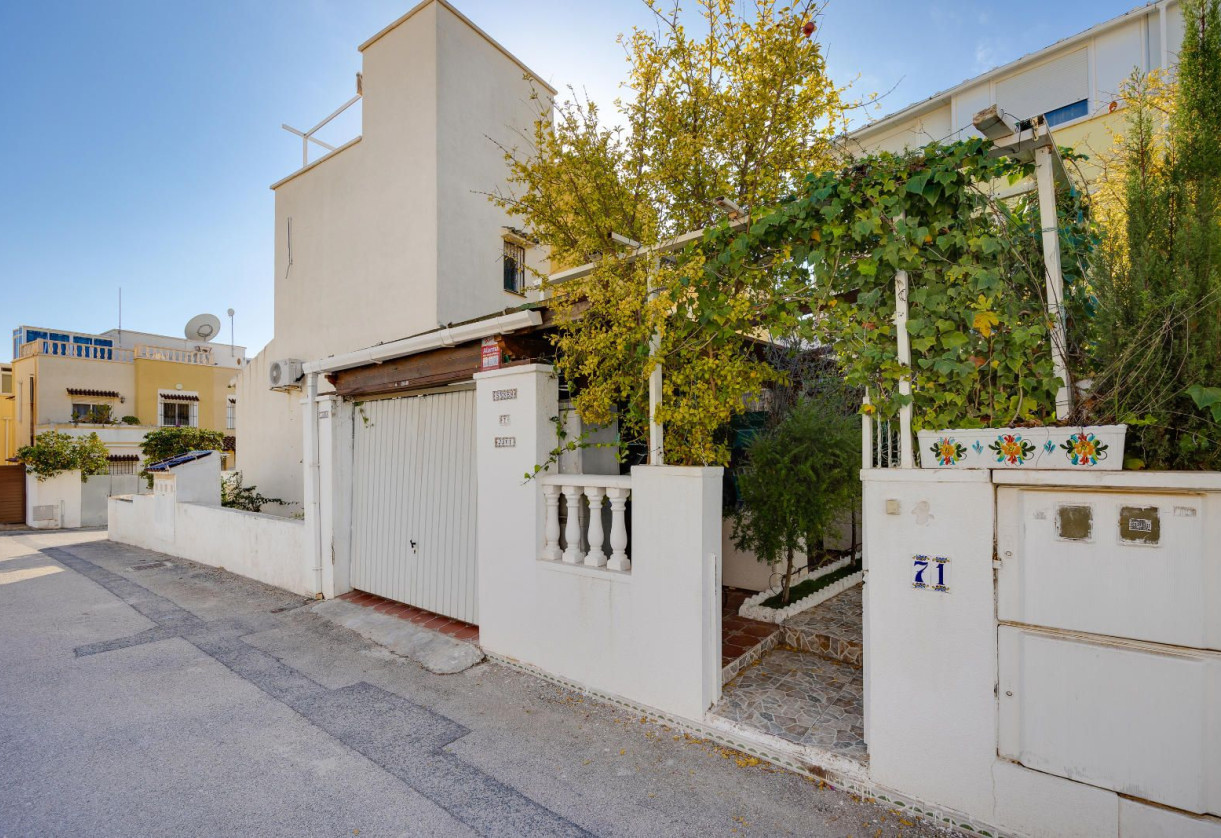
x,y
313,466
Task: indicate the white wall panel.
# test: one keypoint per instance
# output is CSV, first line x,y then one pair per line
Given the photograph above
x,y
1163,591
1140,720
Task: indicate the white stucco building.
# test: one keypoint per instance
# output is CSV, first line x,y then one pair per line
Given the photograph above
x,y
392,234
1074,82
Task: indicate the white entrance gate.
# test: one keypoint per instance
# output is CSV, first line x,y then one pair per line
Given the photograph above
x,y
413,503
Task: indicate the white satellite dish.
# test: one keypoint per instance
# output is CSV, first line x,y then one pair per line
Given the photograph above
x,y
203,327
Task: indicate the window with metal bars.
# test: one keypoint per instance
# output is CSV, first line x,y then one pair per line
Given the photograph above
x,y
514,268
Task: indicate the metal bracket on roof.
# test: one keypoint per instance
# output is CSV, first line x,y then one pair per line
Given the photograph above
x,y
1019,140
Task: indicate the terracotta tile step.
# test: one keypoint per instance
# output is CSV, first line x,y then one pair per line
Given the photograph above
x,y
445,625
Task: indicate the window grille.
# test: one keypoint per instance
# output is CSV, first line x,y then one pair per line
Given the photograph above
x,y
514,268
178,414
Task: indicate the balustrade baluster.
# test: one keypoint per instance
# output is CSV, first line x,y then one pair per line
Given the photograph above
x,y
551,530
596,557
618,534
572,528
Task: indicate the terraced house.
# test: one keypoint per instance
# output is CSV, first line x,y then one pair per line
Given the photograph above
x,y
120,384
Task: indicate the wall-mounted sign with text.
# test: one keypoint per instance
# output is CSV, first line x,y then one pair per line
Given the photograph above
x,y
489,355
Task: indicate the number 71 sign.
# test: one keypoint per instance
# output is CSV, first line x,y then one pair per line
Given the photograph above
x,y
931,573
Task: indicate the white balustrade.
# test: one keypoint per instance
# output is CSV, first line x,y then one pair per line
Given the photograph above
x,y
584,531
65,349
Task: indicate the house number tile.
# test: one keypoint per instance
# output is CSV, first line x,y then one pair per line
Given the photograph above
x,y
506,442
504,395
931,573
506,419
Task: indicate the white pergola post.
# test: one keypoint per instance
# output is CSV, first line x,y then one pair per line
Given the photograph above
x,y
657,455
1044,175
906,458
1033,141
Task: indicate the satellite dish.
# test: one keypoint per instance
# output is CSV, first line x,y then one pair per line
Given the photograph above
x,y
203,327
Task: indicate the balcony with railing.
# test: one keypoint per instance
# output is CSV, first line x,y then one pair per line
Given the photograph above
x,y
66,349
594,506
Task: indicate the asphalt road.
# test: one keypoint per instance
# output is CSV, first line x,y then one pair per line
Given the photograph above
x,y
147,699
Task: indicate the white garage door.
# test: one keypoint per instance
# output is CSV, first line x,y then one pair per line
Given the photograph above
x,y
413,505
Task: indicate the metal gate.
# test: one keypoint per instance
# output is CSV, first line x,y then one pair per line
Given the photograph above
x,y
12,494
413,502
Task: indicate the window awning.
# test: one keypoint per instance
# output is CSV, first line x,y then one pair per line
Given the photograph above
x,y
179,397
124,458
96,394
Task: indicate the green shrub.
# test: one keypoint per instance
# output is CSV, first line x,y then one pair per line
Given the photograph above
x,y
53,453
164,443
1157,334
131,420
800,477
236,496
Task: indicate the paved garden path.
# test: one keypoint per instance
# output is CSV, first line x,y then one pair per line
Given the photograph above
x,y
146,696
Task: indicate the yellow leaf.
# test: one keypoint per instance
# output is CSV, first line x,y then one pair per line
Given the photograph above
x,y
984,321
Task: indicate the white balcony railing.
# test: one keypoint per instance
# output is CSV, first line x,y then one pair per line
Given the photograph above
x,y
583,537
180,356
65,349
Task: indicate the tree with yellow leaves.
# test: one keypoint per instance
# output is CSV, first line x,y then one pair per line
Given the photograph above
x,y
738,107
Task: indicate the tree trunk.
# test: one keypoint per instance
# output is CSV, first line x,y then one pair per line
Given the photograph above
x,y
788,576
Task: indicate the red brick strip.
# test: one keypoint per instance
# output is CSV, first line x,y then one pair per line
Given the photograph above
x,y
454,628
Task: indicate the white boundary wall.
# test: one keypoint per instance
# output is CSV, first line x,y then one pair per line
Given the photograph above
x,y
266,548
931,663
651,635
53,503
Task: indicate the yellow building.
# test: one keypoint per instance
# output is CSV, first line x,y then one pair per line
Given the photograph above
x,y
120,385
8,413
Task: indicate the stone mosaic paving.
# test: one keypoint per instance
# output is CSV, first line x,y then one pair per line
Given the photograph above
x,y
801,697
831,629
811,690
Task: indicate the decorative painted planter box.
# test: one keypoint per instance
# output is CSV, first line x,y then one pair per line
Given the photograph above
x,y
754,609
1099,448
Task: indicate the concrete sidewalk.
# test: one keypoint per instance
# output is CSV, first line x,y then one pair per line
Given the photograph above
x,y
141,695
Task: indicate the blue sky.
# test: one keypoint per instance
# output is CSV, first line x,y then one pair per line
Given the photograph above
x,y
138,137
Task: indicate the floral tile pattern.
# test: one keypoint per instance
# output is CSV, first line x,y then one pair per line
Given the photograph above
x,y
803,698
831,629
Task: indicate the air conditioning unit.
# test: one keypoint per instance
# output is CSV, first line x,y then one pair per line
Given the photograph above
x,y
284,374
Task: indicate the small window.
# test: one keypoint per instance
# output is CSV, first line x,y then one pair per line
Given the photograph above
x,y
91,414
231,416
178,414
1067,113
6,382
514,268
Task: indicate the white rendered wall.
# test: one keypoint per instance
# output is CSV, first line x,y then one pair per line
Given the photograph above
x,y
63,492
651,635
261,547
932,714
391,235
